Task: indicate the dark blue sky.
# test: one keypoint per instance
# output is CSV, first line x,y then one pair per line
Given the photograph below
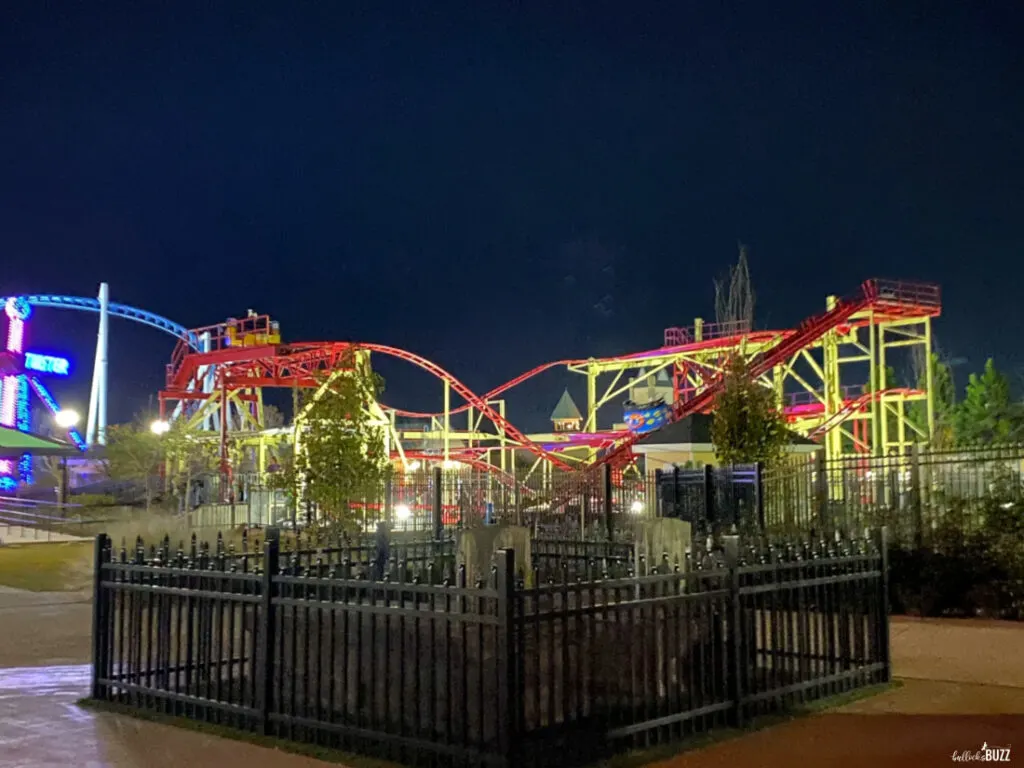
x,y
498,184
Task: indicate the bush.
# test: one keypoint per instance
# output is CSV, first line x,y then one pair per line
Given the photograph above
x,y
974,565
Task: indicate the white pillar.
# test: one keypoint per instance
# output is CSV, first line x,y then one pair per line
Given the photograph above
x,y
101,428
96,427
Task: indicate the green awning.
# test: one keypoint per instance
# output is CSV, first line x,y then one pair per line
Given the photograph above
x,y
14,443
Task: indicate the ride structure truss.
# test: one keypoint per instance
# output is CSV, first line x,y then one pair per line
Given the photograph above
x,y
829,375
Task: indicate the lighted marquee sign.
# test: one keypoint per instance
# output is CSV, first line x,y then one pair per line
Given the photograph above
x,y
58,366
646,418
20,373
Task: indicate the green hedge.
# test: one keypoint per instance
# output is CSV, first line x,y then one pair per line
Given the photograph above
x,y
973,564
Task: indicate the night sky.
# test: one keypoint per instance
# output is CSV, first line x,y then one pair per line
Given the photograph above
x,y
500,184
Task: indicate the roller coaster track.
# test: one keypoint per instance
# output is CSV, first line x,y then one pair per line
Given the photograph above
x,y
852,406
295,364
82,304
637,357
268,366
887,297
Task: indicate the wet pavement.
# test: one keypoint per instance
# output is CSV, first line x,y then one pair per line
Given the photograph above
x,y
41,726
44,650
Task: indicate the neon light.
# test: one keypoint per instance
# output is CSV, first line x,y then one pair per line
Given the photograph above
x,y
15,336
10,398
18,308
25,425
49,401
59,366
14,395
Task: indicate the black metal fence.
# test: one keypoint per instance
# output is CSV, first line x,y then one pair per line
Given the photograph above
x,y
912,493
508,671
596,506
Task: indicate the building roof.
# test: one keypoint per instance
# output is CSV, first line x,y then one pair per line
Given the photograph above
x,y
566,409
14,443
695,429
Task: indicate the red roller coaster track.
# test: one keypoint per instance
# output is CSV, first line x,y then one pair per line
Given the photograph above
x,y
288,365
297,365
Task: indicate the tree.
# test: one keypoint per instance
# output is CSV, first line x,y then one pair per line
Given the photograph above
x,y
987,413
272,417
943,397
339,456
734,297
187,454
135,453
748,426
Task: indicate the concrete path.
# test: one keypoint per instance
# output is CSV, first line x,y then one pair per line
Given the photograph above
x,y
27,534
963,687
40,725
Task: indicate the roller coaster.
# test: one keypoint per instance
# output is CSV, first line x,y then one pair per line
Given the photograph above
x,y
829,374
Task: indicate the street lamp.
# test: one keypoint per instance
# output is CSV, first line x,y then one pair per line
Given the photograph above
x,y
66,419
160,427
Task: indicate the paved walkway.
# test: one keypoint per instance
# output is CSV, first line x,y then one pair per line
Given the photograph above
x,y
27,534
963,687
40,725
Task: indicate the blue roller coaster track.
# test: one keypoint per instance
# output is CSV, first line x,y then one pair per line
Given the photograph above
x,y
116,310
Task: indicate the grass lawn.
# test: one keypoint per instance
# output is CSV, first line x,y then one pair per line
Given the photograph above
x,y
46,567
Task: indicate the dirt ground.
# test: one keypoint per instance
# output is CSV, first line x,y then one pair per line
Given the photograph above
x,y
963,686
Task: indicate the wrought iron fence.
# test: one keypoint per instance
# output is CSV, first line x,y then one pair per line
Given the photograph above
x,y
507,671
914,493
555,503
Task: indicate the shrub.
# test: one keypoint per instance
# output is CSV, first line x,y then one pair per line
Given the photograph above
x,y
973,564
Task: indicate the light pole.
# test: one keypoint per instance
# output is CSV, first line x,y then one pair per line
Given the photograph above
x,y
65,419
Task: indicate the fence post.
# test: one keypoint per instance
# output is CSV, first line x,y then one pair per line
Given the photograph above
x,y
507,653
265,656
677,507
658,501
436,510
915,497
883,620
820,490
759,493
99,618
709,495
585,510
606,472
736,637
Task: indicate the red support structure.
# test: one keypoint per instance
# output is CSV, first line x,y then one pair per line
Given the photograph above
x,y
247,355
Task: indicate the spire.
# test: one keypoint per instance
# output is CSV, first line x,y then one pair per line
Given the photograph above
x,y
566,410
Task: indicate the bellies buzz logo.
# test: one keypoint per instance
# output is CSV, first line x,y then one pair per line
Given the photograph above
x,y
986,754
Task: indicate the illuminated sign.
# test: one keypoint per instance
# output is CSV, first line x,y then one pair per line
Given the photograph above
x,y
59,366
